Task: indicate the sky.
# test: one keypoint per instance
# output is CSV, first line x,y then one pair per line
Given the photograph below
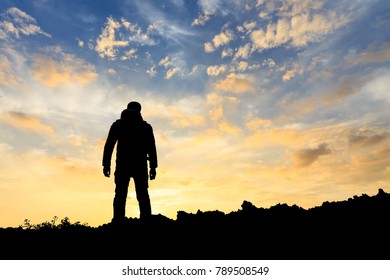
x,y
279,101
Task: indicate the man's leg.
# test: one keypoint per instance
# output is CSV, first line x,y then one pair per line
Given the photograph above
x,y
121,188
141,189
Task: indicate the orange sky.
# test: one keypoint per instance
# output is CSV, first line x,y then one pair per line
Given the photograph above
x,y
266,101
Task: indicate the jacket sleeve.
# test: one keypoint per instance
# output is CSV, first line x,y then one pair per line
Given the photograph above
x,y
110,144
151,149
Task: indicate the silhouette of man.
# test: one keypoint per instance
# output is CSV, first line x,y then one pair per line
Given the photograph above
x,y
135,146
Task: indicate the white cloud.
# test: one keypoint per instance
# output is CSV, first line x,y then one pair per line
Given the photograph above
x,y
242,66
227,52
117,34
8,76
221,39
259,3
236,84
63,69
130,54
107,44
26,122
14,23
378,88
292,72
166,62
247,26
162,25
209,8
172,72
298,30
208,47
216,70
243,52
196,69
152,71
80,43
111,71
201,20
269,62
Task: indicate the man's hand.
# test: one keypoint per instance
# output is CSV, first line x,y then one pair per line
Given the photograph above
x,y
152,173
106,171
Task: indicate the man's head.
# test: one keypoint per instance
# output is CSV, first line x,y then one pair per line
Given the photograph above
x,y
134,106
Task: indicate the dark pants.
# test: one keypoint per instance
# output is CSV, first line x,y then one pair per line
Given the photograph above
x,y
122,180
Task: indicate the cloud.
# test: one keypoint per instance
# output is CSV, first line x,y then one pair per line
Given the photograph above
x,y
283,8
267,134
380,56
152,71
130,54
161,25
219,40
106,44
222,38
117,34
308,156
244,66
227,52
209,8
196,69
67,70
172,72
14,23
80,42
247,26
366,138
166,62
371,164
76,139
243,52
7,74
201,20
268,62
174,64
180,119
208,47
297,30
289,74
183,112
235,84
178,3
216,70
111,71
225,126
345,88
256,124
26,122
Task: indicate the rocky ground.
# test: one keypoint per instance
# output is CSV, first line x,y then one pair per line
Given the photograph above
x,y
353,229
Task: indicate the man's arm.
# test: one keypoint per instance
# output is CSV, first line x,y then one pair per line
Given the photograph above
x,y
108,149
152,153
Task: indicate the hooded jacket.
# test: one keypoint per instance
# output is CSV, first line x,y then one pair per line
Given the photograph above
x,y
135,143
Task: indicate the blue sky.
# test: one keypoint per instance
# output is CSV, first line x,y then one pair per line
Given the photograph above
x,y
266,101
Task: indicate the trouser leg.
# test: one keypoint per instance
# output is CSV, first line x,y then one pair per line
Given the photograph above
x,y
141,189
121,188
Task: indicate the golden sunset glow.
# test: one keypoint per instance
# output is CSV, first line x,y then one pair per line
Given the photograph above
x,y
265,101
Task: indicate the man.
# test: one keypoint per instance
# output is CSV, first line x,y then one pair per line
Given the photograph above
x,y
135,146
